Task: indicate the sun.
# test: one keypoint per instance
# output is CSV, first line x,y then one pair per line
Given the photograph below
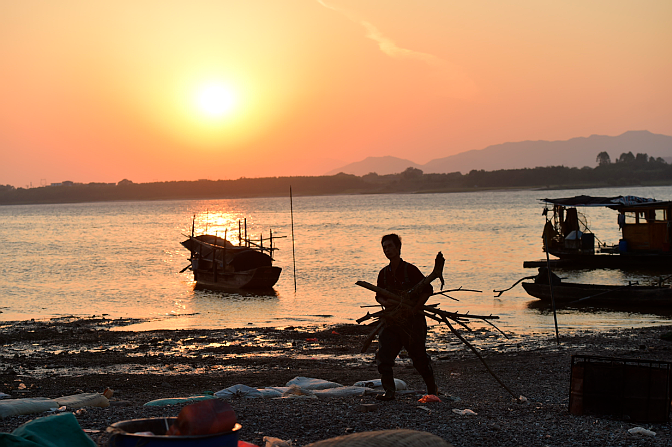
x,y
216,100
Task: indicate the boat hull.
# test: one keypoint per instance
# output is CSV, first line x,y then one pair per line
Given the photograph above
x,y
601,294
258,278
219,265
613,260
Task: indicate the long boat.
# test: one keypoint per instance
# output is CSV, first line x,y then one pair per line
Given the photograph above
x,y
626,295
218,264
645,225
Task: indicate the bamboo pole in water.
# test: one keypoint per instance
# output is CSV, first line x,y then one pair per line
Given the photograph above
x,y
550,285
291,212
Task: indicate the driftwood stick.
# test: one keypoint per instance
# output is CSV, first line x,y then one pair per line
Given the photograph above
x,y
429,308
430,311
371,336
499,292
440,320
480,357
369,315
459,289
443,293
498,329
436,273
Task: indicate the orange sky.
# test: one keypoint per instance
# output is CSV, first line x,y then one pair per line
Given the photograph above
x,y
100,91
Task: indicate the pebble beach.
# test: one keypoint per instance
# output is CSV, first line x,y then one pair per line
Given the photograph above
x,y
521,398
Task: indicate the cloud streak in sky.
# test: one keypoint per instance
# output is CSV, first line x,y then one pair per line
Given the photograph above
x,y
449,79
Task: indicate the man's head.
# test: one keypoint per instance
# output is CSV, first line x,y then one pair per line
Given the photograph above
x,y
391,245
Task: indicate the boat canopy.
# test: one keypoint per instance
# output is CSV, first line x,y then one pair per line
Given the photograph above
x,y
610,202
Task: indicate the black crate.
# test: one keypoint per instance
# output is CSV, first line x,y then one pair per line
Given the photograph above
x,y
637,390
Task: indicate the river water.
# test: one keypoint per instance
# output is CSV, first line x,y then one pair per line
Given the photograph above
x,y
123,259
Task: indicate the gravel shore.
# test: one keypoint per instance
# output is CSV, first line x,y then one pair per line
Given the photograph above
x,y
68,356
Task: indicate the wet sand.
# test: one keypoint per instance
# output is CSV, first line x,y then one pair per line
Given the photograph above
x,y
71,355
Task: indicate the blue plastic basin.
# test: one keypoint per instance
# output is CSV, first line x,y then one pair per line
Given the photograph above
x,y
128,434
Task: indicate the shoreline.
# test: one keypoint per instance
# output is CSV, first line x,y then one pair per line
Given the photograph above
x,y
445,190
62,358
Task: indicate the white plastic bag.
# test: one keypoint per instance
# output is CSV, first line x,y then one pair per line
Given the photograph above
x,y
377,384
239,391
312,384
341,391
297,391
641,431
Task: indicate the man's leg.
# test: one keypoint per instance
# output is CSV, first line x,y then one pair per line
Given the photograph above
x,y
418,354
389,345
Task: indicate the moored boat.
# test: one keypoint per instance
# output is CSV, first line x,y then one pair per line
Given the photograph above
x,y
220,265
625,295
645,225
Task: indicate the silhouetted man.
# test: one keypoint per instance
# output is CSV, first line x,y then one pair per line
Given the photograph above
x,y
405,327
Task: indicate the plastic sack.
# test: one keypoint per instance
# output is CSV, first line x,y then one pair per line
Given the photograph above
x,y
272,392
429,398
60,430
341,391
297,391
239,391
312,384
177,400
13,407
83,400
399,384
641,431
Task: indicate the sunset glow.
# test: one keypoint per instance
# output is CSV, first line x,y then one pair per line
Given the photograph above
x,y
103,91
216,100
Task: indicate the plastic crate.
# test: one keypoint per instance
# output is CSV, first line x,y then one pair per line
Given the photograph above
x,y
637,390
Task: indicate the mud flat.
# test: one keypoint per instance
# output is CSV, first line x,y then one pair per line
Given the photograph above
x,y
70,355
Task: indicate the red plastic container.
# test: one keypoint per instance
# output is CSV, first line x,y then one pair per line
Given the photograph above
x,y
204,418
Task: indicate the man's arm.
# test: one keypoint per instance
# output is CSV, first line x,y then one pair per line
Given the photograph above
x,y
382,299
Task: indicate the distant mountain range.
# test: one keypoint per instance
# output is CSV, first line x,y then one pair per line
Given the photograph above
x,y
577,152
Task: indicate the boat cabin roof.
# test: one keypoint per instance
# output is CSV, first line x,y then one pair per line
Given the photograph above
x,y
618,202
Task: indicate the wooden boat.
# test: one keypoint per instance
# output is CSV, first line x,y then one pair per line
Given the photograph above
x,y
220,265
627,295
645,224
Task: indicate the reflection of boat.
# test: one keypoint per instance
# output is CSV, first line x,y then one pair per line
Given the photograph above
x,y
646,228
575,293
218,264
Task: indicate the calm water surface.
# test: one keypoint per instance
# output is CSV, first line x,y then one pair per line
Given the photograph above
x,y
124,259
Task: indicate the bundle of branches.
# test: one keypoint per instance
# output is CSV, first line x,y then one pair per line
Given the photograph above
x,y
404,303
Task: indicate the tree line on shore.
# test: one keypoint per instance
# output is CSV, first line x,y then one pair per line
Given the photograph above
x,y
627,170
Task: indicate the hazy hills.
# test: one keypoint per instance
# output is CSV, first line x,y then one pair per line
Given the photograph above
x,y
577,152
